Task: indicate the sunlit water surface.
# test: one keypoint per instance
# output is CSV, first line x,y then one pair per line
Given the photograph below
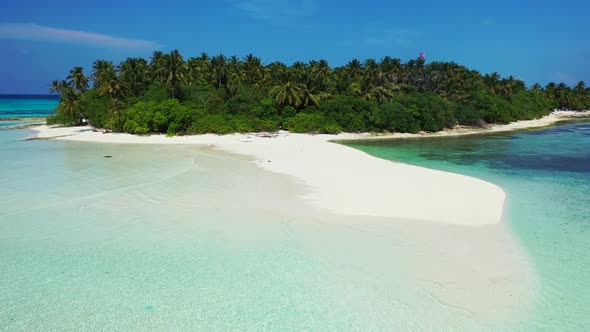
x,y
138,237
546,173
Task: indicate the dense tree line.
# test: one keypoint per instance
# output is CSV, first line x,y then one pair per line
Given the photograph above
x,y
222,95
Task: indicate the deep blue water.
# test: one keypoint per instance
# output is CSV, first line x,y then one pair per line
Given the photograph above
x,y
24,106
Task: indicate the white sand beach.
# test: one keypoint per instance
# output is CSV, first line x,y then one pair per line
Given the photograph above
x,y
443,230
341,179
347,181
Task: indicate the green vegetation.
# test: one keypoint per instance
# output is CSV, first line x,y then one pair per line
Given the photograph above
x,y
223,95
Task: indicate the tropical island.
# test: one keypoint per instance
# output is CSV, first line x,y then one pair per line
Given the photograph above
x,y
334,179
225,95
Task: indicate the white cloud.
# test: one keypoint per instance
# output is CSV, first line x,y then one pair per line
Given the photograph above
x,y
35,32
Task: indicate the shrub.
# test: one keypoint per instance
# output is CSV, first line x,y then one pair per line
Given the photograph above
x,y
156,117
172,129
202,96
351,113
61,119
311,123
159,122
133,127
468,115
94,107
242,124
394,116
493,109
267,125
214,123
288,111
156,93
243,102
265,109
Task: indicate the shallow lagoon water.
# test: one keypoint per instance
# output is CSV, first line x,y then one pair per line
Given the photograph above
x,y
185,238
546,173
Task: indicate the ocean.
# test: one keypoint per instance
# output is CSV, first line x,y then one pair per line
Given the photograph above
x,y
27,106
546,174
139,237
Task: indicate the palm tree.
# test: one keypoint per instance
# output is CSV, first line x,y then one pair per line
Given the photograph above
x,y
373,72
218,71
581,96
254,70
561,89
391,68
366,90
299,72
78,80
288,94
384,93
103,72
232,85
562,94
505,88
204,65
158,67
314,93
341,80
175,71
113,89
133,73
354,68
234,65
492,81
276,73
319,80
537,87
57,86
69,104
194,71
580,87
517,85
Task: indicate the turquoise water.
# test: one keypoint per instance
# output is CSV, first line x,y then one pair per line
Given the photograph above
x,y
15,106
188,238
546,174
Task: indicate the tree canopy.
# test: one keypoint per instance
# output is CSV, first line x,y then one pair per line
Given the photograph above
x,y
204,94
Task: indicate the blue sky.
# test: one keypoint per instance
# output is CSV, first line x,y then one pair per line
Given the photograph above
x,y
538,41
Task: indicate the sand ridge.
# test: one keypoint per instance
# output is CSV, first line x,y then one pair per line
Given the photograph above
x,y
342,179
347,181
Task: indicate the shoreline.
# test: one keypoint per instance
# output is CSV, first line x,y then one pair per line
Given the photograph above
x,y
457,274
548,120
457,220
347,181
35,118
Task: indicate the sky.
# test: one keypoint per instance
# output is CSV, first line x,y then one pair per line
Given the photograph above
x,y
537,41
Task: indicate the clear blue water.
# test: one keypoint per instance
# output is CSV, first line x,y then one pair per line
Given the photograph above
x,y
169,238
181,238
25,106
546,174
